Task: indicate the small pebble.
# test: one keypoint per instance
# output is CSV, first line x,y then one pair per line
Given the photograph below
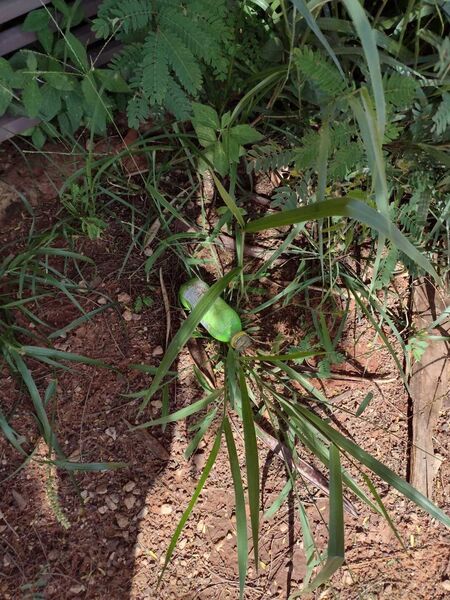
x,y
110,503
101,489
102,300
129,486
111,432
129,502
158,351
143,513
77,588
124,298
122,521
103,509
165,509
127,315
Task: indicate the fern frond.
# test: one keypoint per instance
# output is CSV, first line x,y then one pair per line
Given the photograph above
x,y
132,15
268,158
189,31
306,155
128,59
321,73
182,61
441,118
137,111
400,90
345,160
155,69
177,102
387,268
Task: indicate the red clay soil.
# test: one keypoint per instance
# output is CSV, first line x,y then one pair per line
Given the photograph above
x,y
104,535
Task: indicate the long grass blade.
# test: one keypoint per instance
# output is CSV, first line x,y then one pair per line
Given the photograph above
x,y
252,462
229,201
185,516
303,9
376,466
183,413
336,545
345,207
241,519
368,40
99,467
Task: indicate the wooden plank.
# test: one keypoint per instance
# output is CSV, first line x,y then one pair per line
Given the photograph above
x,y
14,38
10,9
429,384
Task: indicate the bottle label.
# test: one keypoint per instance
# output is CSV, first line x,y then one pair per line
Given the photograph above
x,y
194,292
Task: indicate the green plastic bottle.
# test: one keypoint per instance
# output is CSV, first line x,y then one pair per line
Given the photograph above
x,y
220,320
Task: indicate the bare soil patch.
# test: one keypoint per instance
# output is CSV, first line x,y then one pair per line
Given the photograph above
x,y
121,521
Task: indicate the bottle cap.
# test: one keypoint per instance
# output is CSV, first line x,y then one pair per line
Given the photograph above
x,y
240,341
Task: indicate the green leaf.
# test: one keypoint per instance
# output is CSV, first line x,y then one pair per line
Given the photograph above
x,y
206,136
60,81
251,461
51,105
46,38
290,356
376,466
32,98
38,138
5,98
35,398
183,413
245,134
202,427
368,40
36,20
186,330
241,519
205,115
99,467
220,159
12,436
229,201
373,144
31,61
383,510
364,404
206,471
76,51
336,545
206,122
112,81
232,148
39,352
74,105
279,501
345,207
90,91
6,71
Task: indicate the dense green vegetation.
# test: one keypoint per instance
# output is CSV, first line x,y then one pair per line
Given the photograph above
x,y
348,102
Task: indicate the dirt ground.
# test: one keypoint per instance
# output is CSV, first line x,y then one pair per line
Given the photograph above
x,y
104,535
